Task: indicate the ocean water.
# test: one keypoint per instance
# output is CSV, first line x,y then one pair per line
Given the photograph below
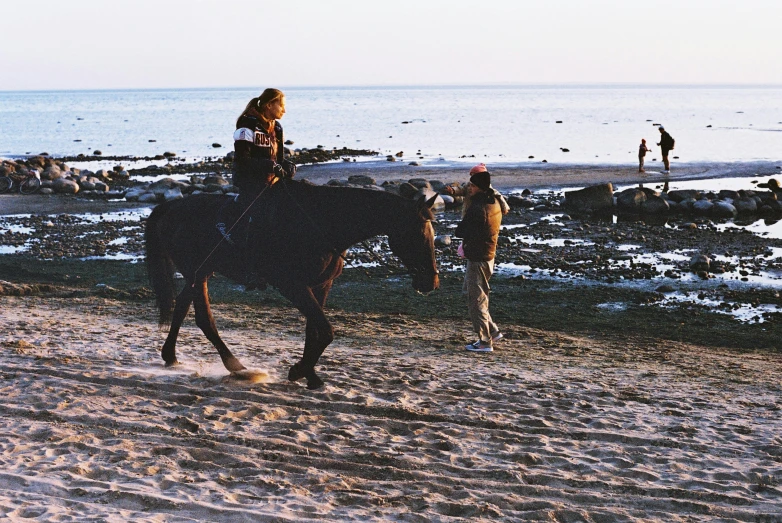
x,y
498,125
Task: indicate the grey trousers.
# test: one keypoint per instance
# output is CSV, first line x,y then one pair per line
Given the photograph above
x,y
476,287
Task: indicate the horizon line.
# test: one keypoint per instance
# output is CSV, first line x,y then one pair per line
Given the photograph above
x,y
417,86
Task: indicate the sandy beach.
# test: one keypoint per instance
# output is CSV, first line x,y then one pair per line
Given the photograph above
x,y
548,428
582,414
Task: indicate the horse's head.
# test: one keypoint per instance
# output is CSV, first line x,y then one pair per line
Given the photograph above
x,y
412,240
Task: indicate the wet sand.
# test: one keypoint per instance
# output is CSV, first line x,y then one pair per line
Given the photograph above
x,y
537,176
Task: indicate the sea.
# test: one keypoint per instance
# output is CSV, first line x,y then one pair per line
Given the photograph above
x,y
436,125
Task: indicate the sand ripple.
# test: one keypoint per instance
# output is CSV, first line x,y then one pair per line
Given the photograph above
x,y
408,428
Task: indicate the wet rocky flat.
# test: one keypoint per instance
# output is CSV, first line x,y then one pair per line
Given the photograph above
x,y
554,271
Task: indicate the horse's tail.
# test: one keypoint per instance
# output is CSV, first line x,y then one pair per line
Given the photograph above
x,y
160,267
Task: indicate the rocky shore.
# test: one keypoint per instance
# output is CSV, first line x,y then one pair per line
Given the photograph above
x,y
663,242
637,348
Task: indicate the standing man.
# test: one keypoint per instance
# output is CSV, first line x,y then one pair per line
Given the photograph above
x,y
666,144
480,228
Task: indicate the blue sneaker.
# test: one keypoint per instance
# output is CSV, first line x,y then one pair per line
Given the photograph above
x,y
479,346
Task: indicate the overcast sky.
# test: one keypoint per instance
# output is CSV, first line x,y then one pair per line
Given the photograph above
x,y
92,44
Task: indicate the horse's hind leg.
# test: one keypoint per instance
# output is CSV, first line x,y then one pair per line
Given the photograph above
x,y
182,305
206,323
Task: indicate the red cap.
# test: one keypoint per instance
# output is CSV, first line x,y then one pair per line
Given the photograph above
x,y
480,168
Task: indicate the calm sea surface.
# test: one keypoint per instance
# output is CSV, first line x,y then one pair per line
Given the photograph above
x,y
599,124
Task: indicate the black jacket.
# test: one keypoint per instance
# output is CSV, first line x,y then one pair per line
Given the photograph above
x,y
666,141
257,154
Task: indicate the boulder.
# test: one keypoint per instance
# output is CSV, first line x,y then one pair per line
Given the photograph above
x,y
165,184
526,203
702,207
133,194
775,205
407,190
65,186
630,199
215,180
700,262
745,205
209,187
684,194
443,240
147,197
437,186
51,173
173,194
723,209
686,205
37,162
592,199
86,184
361,179
420,183
726,193
655,205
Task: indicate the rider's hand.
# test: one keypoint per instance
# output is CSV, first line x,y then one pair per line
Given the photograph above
x,y
289,167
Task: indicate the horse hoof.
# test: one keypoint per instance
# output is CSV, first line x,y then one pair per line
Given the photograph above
x,y
233,365
171,363
295,373
314,382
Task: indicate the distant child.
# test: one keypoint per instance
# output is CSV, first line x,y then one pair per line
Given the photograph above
x,y
642,150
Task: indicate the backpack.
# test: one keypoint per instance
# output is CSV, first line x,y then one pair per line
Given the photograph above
x,y
673,142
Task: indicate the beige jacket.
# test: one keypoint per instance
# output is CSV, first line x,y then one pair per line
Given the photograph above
x,y
462,191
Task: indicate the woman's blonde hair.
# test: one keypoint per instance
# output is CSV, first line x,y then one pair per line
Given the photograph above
x,y
257,104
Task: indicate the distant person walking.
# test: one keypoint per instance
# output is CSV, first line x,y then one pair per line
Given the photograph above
x,y
480,228
666,144
642,150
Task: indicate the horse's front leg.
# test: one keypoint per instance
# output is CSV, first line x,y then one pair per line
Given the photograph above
x,y
182,305
319,334
206,323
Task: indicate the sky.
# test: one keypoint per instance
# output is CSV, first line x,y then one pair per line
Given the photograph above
x,y
95,44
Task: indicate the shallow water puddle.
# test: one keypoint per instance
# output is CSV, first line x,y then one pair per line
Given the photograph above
x,y
552,242
743,312
135,215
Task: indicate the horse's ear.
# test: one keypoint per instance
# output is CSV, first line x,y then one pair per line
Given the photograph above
x,y
430,201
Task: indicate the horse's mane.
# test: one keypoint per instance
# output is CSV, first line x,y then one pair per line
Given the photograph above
x,y
326,196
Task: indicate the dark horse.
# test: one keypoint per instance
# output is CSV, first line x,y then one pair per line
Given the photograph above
x,y
296,235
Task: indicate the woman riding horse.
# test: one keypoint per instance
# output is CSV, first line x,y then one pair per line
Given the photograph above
x,y
304,231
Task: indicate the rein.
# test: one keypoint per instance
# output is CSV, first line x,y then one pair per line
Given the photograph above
x,y
226,234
